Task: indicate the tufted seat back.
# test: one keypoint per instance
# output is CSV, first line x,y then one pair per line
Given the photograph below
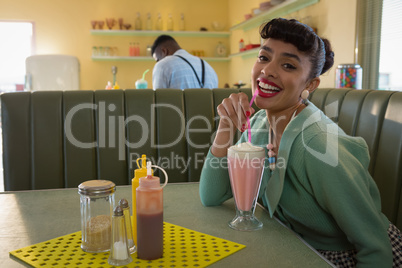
x,y
57,139
376,116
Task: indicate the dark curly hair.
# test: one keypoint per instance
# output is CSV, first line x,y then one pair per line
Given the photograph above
x,y
305,39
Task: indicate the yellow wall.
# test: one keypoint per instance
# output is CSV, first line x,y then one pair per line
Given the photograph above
x,y
325,16
63,27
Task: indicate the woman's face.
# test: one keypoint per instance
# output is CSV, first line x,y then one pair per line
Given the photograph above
x,y
280,75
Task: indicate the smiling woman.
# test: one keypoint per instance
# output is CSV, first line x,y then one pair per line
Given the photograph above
x,y
15,47
316,171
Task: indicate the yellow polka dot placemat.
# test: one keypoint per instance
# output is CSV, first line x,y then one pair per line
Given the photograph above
x,y
182,248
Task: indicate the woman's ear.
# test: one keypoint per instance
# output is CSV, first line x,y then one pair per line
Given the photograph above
x,y
313,84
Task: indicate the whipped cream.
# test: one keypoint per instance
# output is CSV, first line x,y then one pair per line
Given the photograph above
x,y
246,149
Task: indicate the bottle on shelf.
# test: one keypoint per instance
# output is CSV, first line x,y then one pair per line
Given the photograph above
x,y
131,49
109,85
241,45
170,23
148,25
149,51
159,23
137,49
138,23
94,51
181,23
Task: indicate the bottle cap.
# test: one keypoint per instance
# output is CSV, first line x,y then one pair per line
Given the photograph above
x,y
149,181
149,169
152,182
123,203
118,211
142,167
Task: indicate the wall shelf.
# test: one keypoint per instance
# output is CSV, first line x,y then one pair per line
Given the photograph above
x,y
251,53
157,33
282,9
139,58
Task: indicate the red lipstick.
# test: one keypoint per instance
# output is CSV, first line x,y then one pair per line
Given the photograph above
x,y
263,94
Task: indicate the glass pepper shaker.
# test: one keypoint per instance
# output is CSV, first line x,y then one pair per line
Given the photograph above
x,y
129,229
119,252
97,202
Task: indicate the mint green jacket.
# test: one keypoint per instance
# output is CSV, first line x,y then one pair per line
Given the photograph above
x,y
320,188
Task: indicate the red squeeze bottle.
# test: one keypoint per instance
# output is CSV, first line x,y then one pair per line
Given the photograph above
x,y
150,216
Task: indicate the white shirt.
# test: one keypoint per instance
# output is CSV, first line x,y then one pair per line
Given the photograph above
x,y
174,72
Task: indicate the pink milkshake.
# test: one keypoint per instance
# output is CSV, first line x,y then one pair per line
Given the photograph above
x,y
246,164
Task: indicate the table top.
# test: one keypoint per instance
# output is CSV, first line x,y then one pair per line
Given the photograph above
x,y
30,217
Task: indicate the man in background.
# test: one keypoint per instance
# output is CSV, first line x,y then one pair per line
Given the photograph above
x,y
176,68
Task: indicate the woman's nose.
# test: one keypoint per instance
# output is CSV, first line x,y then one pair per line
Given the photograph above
x,y
269,69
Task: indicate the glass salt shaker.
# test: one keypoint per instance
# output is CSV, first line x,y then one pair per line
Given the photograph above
x,y
119,252
97,202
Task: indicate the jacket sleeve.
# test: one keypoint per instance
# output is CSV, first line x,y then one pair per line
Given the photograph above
x,y
337,172
214,183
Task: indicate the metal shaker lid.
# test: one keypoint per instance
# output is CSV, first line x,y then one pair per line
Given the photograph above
x,y
123,203
118,211
96,187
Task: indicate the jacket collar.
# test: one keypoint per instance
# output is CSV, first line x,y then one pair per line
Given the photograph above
x,y
274,186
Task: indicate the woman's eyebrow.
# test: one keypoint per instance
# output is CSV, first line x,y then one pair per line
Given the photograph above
x,y
285,54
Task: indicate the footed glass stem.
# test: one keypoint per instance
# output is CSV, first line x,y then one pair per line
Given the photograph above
x,y
245,221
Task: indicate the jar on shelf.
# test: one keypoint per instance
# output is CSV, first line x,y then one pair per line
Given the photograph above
x,y
94,51
149,51
97,203
349,76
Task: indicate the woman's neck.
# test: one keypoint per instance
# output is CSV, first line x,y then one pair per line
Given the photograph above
x,y
278,120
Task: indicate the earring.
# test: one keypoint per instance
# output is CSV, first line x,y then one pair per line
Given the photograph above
x,y
304,94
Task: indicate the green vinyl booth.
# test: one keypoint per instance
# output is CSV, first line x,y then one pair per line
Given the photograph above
x,y
58,139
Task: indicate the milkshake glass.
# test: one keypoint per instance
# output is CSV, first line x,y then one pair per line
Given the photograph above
x,y
246,165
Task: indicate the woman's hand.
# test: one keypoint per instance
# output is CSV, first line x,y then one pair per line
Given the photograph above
x,y
233,112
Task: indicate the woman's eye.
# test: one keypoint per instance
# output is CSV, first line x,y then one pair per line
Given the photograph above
x,y
262,58
289,66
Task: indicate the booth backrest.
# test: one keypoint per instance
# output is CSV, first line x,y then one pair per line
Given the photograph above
x,y
56,139
376,116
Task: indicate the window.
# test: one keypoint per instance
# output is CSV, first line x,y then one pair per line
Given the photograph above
x,y
379,39
390,71
16,45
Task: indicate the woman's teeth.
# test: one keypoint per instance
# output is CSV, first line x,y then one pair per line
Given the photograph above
x,y
268,88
